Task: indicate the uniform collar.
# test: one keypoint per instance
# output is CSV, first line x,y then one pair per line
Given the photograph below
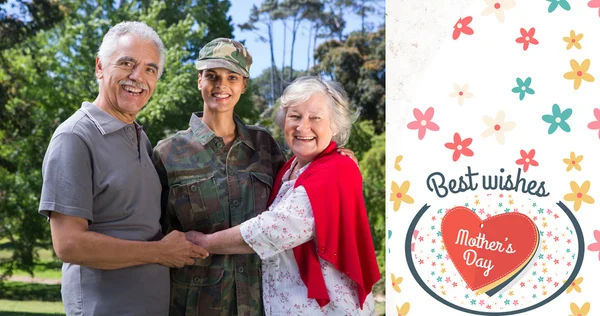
x,y
204,134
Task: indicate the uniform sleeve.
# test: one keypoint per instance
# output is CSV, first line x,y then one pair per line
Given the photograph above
x,y
164,198
288,224
67,178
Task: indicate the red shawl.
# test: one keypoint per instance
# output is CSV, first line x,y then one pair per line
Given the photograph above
x,y
334,187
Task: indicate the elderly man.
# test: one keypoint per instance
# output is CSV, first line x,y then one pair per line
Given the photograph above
x,y
101,192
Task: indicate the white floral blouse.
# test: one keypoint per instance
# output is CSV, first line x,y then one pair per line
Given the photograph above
x,y
286,224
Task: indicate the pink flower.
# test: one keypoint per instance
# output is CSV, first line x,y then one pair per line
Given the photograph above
x,y
595,246
460,147
595,4
527,38
423,122
596,124
461,27
527,159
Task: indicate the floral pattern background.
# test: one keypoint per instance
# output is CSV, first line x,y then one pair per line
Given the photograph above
x,y
493,85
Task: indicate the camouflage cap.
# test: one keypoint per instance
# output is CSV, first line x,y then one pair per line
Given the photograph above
x,y
225,53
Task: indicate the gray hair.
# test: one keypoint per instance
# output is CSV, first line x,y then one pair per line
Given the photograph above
x,y
141,30
304,87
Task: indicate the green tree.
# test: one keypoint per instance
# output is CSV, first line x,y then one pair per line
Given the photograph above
x,y
261,22
48,75
359,64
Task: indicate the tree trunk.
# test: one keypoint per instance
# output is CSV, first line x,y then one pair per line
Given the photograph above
x,y
317,28
273,66
283,58
294,31
308,46
363,13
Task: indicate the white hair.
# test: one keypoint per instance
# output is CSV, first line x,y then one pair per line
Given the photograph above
x,y
139,29
304,87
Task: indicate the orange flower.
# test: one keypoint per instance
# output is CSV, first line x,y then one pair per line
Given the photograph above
x,y
396,283
397,163
583,311
573,40
399,194
579,194
579,73
575,285
573,162
403,311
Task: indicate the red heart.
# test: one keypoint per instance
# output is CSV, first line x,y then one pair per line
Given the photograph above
x,y
475,245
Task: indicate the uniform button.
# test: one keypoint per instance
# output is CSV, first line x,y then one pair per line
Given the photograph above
x,y
194,188
196,279
240,269
219,145
236,203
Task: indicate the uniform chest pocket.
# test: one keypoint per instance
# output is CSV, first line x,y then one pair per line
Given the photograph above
x,y
197,204
262,185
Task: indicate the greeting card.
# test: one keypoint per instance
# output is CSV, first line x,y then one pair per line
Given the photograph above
x,y
493,146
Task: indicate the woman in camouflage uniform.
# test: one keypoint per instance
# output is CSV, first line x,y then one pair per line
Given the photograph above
x,y
215,175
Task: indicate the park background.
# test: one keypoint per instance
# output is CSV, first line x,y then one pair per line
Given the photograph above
x,y
47,58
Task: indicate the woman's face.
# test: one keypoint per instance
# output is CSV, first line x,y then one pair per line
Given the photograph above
x,y
221,89
307,128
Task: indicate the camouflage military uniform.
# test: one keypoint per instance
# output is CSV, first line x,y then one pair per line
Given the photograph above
x,y
208,188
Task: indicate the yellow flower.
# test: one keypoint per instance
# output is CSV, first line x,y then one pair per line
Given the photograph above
x,y
397,163
399,194
583,311
573,40
573,162
579,194
396,283
579,72
575,285
403,311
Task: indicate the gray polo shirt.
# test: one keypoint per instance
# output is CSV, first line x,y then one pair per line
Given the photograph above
x,y
96,169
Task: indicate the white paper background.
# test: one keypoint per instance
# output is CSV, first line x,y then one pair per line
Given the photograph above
x,y
423,62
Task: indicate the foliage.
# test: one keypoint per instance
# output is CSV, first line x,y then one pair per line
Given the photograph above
x,y
48,70
30,291
359,64
50,74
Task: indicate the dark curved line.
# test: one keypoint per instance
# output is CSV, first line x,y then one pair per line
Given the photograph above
x,y
576,269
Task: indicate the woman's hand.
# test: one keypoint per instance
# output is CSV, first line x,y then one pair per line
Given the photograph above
x,y
196,238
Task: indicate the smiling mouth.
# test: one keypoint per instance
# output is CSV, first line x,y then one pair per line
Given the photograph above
x,y
220,96
305,138
131,90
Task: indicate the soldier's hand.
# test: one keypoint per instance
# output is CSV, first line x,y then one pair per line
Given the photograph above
x,y
177,252
348,153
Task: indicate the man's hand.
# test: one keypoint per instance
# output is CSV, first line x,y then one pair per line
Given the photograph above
x,y
177,251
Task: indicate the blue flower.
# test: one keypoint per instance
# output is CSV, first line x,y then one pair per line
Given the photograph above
x,y
523,88
555,3
558,119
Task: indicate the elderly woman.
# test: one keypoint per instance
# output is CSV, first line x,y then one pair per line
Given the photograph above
x,y
314,240
215,175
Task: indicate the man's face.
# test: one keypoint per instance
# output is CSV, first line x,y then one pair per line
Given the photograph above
x,y
128,80
221,89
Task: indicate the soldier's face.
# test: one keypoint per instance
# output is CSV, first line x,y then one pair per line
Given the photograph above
x,y
128,80
307,128
221,89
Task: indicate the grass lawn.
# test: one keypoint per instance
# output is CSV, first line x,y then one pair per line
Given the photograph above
x,y
30,308
47,267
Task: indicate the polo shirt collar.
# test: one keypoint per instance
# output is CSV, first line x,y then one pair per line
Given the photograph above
x,y
105,122
204,134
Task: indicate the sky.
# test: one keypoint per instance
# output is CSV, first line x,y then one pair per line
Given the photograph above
x,y
240,11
